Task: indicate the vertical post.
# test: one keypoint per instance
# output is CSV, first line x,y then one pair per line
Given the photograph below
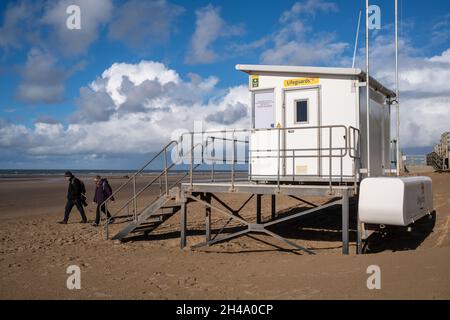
x,y
165,172
359,236
208,217
331,160
397,89
234,161
213,156
274,206
183,224
367,89
191,168
258,208
134,198
279,159
293,165
345,214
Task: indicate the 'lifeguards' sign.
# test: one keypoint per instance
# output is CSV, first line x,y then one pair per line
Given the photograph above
x,y
301,82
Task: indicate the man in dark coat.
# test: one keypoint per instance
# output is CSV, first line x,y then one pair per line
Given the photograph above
x,y
74,197
102,192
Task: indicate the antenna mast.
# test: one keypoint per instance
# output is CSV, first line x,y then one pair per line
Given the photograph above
x,y
397,90
367,89
356,40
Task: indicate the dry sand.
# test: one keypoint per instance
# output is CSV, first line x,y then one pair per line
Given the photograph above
x,y
35,252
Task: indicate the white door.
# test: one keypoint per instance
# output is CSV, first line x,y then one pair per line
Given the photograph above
x,y
264,141
301,140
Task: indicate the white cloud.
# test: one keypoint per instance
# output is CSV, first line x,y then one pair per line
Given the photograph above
x,y
309,7
424,88
17,25
136,73
141,24
441,30
42,79
444,57
294,43
209,27
177,104
94,14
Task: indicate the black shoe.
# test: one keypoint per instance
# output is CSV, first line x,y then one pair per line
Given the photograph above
x,y
62,222
83,221
95,224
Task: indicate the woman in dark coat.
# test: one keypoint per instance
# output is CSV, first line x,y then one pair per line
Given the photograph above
x,y
102,192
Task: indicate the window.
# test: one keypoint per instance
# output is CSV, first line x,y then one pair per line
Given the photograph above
x,y
301,111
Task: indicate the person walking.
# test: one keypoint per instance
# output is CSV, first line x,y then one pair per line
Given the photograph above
x,y
103,191
74,197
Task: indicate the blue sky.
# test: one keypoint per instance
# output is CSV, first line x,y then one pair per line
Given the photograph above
x,y
61,107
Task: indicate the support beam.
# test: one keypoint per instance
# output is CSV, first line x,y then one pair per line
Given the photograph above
x,y
183,222
208,217
258,208
304,201
359,230
345,215
273,206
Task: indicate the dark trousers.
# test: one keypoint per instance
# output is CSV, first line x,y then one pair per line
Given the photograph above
x,y
69,205
98,213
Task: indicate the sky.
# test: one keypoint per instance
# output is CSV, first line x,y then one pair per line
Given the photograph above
x,y
111,93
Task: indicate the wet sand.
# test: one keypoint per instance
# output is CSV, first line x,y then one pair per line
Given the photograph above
x,y
35,252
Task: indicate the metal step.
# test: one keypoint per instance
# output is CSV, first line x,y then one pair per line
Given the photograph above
x,y
150,218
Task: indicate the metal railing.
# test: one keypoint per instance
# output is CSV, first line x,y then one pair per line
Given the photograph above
x,y
208,148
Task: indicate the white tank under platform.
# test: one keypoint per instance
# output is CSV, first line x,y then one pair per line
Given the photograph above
x,y
396,201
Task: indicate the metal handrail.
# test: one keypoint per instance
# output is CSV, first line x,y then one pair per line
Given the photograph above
x,y
140,171
135,195
348,148
355,143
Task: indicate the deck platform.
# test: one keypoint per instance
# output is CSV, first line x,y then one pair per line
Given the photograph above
x,y
204,192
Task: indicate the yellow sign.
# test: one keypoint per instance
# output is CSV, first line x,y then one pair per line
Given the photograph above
x,y
254,81
278,125
301,82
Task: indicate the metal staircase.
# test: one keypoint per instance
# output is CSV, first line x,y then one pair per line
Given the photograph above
x,y
151,217
439,157
164,205
435,161
160,209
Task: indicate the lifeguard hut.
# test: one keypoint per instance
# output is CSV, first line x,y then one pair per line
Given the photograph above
x,y
314,132
321,117
311,135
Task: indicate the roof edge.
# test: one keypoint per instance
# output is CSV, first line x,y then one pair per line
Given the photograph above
x,y
250,69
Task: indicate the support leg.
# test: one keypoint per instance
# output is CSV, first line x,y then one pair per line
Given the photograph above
x,y
258,208
358,236
274,207
345,213
183,224
208,217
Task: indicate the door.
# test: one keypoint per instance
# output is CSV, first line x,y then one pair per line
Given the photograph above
x,y
301,137
263,140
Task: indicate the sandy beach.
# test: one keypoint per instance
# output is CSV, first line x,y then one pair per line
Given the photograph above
x,y
35,252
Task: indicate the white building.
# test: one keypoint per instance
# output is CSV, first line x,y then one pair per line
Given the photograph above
x,y
298,111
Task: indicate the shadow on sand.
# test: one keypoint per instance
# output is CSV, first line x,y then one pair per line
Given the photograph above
x,y
324,225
